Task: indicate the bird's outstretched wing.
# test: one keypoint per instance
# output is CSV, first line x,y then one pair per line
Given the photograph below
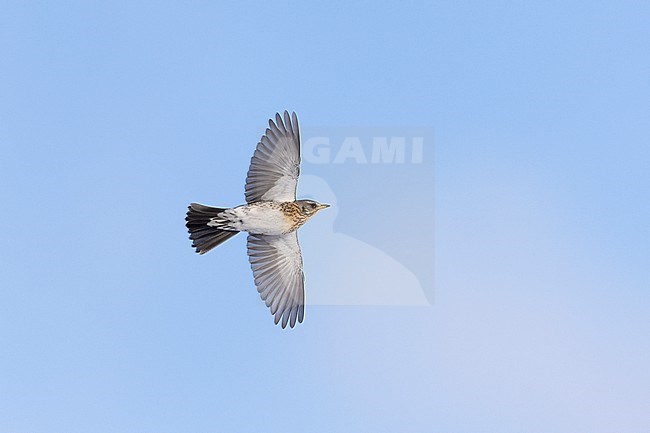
x,y
277,269
275,165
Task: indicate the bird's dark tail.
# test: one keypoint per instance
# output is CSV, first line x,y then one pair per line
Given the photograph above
x,y
205,237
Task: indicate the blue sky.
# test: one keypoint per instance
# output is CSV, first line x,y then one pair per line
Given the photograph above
x,y
534,185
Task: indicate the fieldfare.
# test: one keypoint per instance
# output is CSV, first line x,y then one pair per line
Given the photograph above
x,y
271,217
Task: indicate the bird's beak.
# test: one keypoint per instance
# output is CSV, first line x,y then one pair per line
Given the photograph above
x,y
323,206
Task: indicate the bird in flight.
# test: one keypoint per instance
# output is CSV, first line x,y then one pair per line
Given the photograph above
x,y
271,217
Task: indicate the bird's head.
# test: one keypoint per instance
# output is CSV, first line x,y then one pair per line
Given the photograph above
x,y
309,207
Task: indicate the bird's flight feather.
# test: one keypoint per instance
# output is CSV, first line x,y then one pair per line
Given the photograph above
x,y
275,165
277,270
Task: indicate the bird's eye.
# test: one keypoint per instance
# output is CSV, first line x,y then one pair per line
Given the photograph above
x,y
313,205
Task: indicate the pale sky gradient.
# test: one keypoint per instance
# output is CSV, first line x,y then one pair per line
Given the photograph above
x,y
115,115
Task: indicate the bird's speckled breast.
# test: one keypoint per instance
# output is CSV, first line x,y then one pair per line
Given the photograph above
x,y
293,215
